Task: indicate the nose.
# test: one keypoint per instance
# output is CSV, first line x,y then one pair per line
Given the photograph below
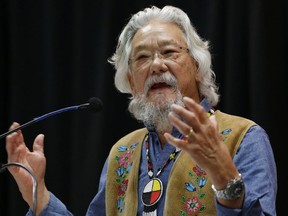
x,y
158,64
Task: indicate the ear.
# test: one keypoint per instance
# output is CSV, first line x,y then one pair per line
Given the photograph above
x,y
198,78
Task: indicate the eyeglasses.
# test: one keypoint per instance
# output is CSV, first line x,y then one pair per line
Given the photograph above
x,y
144,57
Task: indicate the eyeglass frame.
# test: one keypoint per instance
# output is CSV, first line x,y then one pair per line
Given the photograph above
x,y
174,51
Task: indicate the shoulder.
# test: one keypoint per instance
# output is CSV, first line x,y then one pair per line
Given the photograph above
x,y
130,138
135,133
228,119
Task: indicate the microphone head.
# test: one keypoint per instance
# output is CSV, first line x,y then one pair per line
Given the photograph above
x,y
95,104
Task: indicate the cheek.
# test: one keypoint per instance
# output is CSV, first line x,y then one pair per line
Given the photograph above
x,y
132,83
137,83
187,77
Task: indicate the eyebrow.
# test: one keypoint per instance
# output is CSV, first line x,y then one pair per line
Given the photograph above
x,y
161,43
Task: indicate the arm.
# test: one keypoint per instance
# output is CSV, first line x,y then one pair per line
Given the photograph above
x,y
255,160
204,145
35,161
207,149
97,206
54,208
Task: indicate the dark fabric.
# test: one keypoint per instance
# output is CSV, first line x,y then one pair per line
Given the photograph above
x,y
54,54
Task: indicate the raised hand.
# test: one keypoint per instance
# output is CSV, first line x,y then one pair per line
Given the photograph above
x,y
33,160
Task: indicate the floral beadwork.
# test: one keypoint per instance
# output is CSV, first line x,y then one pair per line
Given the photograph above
x,y
192,205
225,133
124,166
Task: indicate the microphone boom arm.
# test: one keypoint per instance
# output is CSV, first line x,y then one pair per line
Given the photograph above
x,y
40,118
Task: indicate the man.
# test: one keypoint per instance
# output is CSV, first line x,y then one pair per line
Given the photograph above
x,y
190,159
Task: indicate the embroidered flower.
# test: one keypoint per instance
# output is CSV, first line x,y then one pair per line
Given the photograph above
x,y
129,167
122,187
190,186
125,159
195,187
122,148
125,164
134,145
192,205
199,171
120,171
226,131
120,203
202,182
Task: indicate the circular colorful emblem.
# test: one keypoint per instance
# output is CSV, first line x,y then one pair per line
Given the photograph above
x,y
152,192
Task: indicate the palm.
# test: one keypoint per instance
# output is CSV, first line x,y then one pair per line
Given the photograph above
x,y
34,160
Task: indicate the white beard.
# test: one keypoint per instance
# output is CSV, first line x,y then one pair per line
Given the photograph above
x,y
153,111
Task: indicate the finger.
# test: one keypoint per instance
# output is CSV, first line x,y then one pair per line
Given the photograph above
x,y
14,125
17,155
38,145
178,143
181,126
188,116
197,109
13,141
212,119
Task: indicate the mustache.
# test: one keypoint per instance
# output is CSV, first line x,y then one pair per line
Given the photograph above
x,y
166,78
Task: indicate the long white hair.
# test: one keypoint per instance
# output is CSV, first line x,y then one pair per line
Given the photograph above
x,y
198,48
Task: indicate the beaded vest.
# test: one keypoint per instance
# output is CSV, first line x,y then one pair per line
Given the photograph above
x,y
189,188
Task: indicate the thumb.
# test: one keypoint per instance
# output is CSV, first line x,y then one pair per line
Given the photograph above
x,y
38,145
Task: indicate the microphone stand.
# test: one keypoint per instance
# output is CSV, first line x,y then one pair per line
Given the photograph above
x,y
35,184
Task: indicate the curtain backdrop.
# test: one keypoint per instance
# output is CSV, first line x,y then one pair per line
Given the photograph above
x,y
53,54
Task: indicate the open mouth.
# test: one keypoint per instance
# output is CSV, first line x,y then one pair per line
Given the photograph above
x,y
160,87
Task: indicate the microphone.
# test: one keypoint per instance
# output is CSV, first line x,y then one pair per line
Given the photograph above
x,y
94,105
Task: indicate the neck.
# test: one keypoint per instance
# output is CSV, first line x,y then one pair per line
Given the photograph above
x,y
168,128
162,139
